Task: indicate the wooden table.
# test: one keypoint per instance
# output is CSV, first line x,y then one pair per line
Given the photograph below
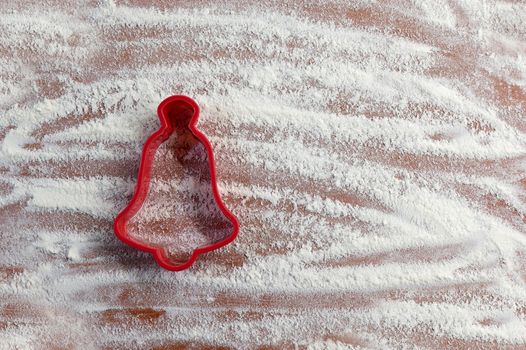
x,y
79,85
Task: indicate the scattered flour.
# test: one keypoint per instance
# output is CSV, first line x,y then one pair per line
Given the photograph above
x,y
374,154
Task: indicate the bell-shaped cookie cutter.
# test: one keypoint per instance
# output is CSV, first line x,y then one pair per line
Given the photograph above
x,y
168,122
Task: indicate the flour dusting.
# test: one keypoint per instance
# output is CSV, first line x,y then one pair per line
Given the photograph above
x,y
373,152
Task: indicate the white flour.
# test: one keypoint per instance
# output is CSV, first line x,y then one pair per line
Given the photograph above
x,y
375,156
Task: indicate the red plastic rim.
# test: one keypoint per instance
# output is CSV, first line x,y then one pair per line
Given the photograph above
x,y
143,183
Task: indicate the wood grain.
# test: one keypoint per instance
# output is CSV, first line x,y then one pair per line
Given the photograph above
x,y
66,282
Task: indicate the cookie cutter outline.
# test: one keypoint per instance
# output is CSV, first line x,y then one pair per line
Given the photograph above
x,y
143,182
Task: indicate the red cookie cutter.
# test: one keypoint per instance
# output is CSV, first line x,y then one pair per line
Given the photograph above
x,y
168,121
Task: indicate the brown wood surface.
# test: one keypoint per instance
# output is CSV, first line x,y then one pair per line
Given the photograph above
x,y
113,297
